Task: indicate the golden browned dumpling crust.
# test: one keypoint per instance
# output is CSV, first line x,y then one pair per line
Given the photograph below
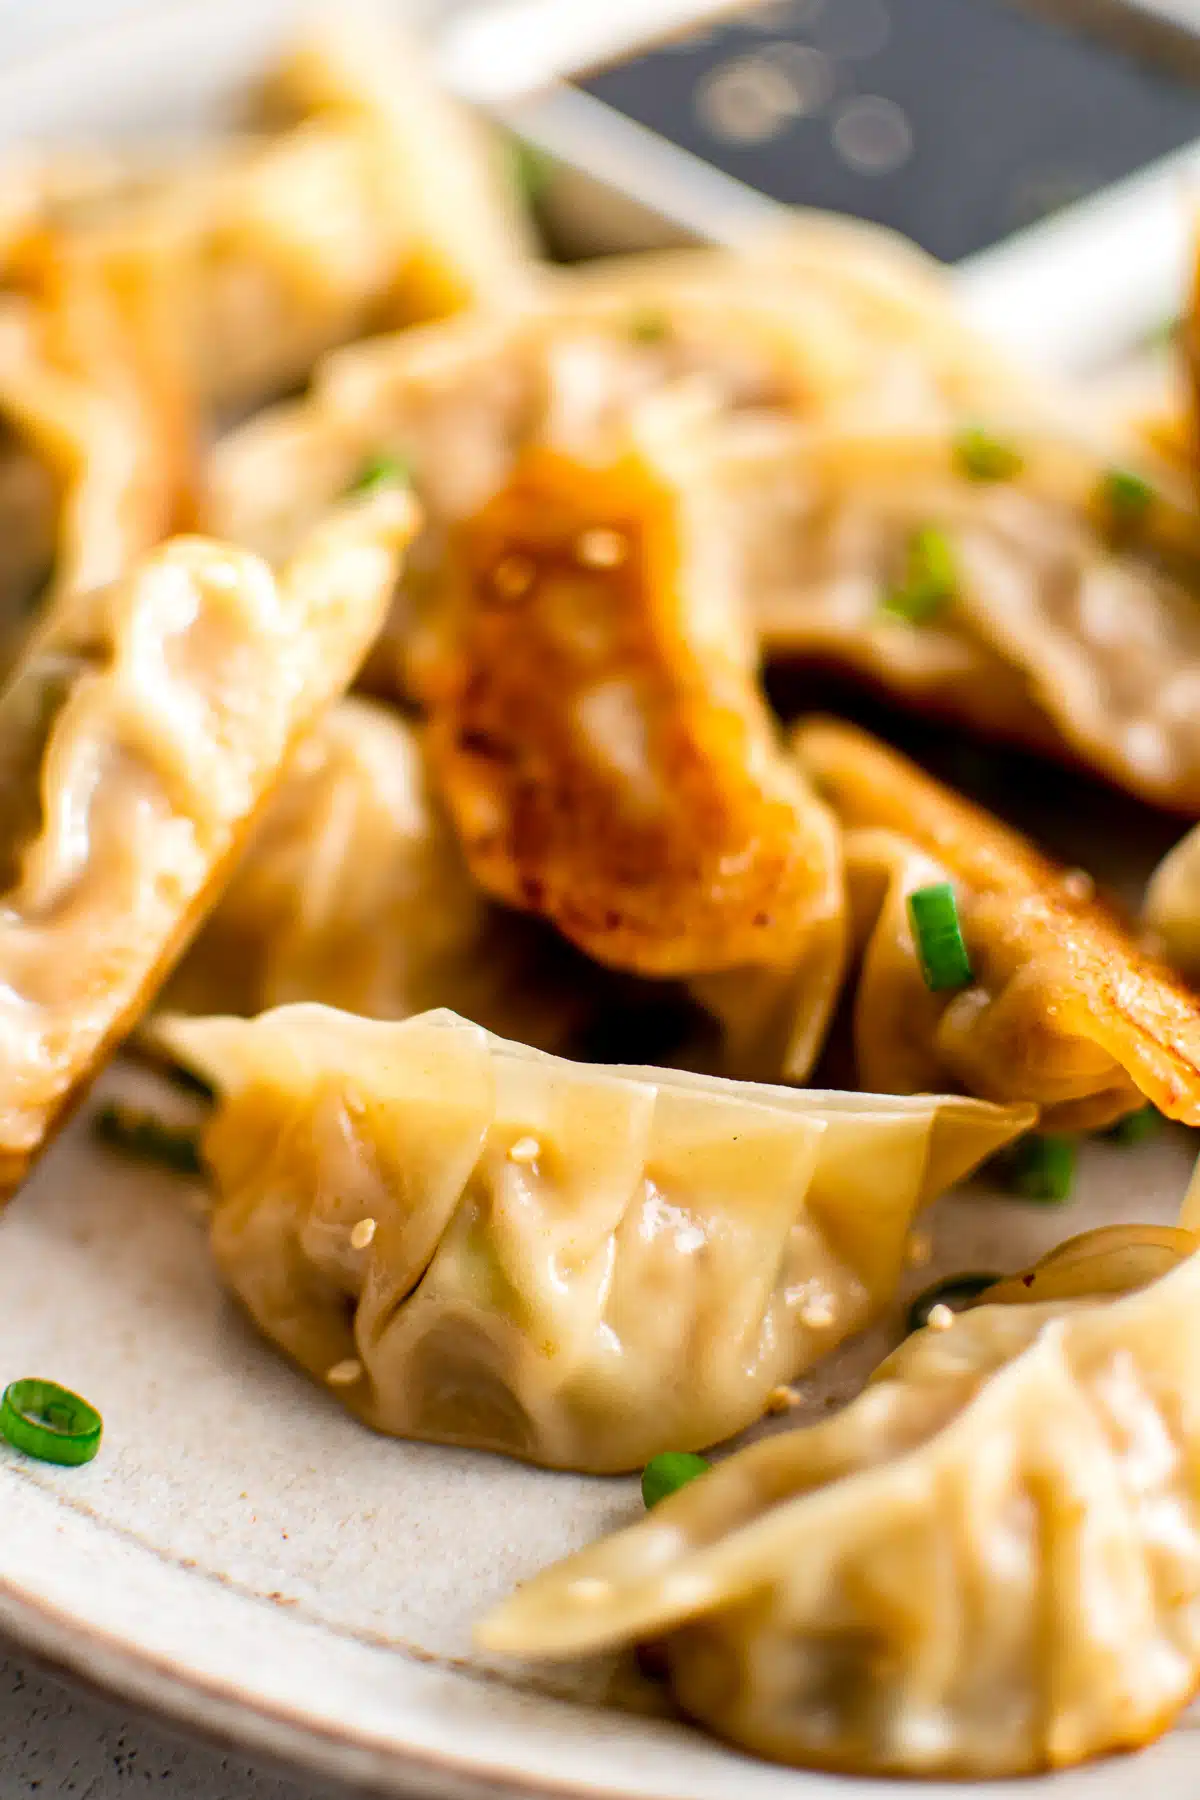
x,y
1063,1009
599,738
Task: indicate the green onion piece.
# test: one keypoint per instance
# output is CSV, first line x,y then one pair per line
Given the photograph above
x,y
1127,497
956,1292
1042,1168
666,1474
930,578
983,457
142,1134
44,1420
1134,1128
384,470
532,170
941,951
649,326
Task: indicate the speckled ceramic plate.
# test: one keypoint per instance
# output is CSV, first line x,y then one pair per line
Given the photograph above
x,y
244,1558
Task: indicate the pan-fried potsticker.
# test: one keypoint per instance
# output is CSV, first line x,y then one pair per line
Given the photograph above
x,y
1056,1003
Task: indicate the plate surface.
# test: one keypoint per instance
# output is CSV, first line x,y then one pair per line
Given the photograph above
x,y
246,1558
242,1556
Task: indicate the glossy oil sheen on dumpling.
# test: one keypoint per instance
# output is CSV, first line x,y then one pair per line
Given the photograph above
x,y
139,738
603,748
1063,1009
988,1564
576,1265
354,893
807,322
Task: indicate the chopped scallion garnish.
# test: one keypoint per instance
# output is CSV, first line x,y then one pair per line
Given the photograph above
x,y
1127,497
648,326
666,1474
937,933
983,457
532,170
384,470
44,1420
956,1292
1135,1127
143,1134
930,578
1042,1167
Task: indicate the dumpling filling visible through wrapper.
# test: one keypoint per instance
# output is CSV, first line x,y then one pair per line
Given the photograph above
x,y
986,1565
577,1265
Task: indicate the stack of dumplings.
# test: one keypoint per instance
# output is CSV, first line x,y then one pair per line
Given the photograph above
x,y
389,628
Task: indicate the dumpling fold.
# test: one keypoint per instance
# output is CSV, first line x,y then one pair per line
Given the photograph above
x,y
987,1564
139,738
577,1265
353,892
1062,1008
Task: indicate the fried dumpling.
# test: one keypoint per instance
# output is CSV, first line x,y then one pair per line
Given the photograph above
x,y
577,1265
1015,579
139,738
803,325
1062,1008
988,1564
93,458
353,892
365,199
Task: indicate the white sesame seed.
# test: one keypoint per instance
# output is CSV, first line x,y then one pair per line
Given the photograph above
x,y
362,1234
513,576
525,1150
601,548
344,1374
941,1317
590,1590
1077,884
918,1249
817,1312
783,1399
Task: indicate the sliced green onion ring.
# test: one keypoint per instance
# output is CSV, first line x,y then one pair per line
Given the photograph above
x,y
144,1135
664,1475
982,457
955,1291
1042,1167
1127,496
937,932
649,326
930,578
41,1419
1134,1128
380,471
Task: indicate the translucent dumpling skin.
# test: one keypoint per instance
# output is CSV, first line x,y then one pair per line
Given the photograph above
x,y
581,1266
988,1564
139,739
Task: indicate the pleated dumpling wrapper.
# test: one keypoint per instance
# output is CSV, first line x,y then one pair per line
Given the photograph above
x,y
364,198
823,316
1061,1007
139,738
580,1266
600,740
987,1564
353,892
1031,579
